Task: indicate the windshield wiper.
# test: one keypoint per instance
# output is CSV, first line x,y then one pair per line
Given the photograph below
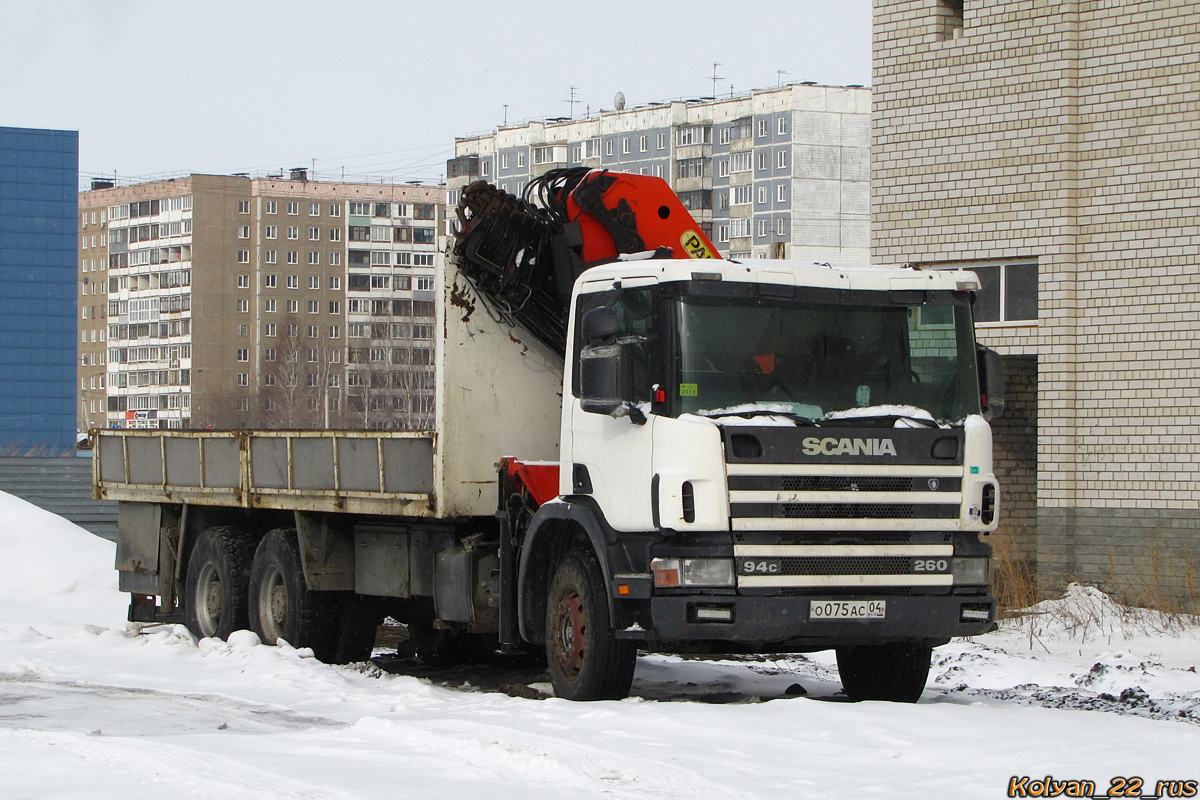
x,y
849,421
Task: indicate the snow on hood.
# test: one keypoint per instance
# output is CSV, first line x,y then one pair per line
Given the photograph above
x,y
727,417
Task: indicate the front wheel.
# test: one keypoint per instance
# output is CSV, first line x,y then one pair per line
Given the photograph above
x,y
586,661
895,672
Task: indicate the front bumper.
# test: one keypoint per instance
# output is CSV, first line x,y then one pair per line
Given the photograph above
x,y
784,621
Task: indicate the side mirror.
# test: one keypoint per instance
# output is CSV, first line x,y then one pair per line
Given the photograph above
x,y
991,382
600,368
599,325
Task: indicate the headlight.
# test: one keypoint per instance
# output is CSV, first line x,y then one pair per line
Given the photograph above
x,y
971,571
671,572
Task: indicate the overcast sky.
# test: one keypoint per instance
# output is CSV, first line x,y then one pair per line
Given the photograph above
x,y
380,89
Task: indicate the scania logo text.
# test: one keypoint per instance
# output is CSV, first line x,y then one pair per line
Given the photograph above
x,y
848,447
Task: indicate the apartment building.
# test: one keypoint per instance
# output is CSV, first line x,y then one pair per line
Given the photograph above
x,y
39,175
1053,148
774,173
230,301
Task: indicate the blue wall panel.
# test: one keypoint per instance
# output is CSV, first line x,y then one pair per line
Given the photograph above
x,y
39,187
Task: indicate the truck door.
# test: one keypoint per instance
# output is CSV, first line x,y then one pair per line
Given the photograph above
x,y
607,426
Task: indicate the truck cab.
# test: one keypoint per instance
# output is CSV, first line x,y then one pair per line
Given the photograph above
x,y
776,457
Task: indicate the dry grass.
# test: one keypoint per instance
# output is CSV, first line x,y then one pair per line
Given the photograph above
x,y
1014,578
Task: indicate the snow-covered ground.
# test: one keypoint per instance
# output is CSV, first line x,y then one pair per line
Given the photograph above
x,y
1080,689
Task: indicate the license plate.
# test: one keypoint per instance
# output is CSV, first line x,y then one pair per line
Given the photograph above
x,y
847,609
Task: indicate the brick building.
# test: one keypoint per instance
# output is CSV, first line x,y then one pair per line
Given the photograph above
x,y
1054,147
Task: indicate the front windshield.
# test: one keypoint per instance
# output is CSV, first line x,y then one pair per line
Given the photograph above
x,y
811,359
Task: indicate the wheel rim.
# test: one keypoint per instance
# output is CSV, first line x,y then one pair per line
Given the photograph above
x,y
272,605
208,600
571,633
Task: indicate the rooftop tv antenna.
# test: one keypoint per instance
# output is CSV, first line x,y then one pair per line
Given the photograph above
x,y
715,78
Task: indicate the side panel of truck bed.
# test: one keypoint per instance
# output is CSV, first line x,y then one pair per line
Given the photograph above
x,y
351,471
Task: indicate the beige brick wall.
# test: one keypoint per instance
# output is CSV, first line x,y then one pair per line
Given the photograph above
x,y
1064,131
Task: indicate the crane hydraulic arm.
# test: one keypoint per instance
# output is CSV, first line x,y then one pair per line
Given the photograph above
x,y
523,254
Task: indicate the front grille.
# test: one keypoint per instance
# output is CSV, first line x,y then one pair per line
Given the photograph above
x,y
845,565
838,483
849,511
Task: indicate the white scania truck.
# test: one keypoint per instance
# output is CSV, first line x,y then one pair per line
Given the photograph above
x,y
637,446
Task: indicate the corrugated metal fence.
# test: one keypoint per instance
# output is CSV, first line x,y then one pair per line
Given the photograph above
x,y
62,486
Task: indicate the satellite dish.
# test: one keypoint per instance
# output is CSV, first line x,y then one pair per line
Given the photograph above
x,y
619,101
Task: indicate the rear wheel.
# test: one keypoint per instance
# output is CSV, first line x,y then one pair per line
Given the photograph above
x,y
585,659
895,672
281,605
214,593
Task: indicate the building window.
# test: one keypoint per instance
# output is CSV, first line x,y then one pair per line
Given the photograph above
x,y
739,228
780,226
697,134
314,209
763,130
243,306
661,141
335,283
725,135
293,207
335,209
723,233
270,207
762,228
314,307
243,231
1008,292
335,332
243,206
270,281
242,380
643,143
293,257
314,234
762,160
624,145
272,232
782,127
781,193
781,160
293,306
608,147
314,259
950,18
520,158
741,162
269,305
293,232
243,355
335,307
504,161
485,168
335,234
243,256
243,281
690,168
269,329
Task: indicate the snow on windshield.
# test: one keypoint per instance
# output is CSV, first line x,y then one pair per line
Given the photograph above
x,y
875,412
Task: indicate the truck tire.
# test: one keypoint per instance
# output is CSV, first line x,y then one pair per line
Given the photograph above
x,y
358,623
217,581
893,672
281,605
586,661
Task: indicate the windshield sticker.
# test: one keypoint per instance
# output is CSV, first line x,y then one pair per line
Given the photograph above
x,y
863,396
974,470
689,390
